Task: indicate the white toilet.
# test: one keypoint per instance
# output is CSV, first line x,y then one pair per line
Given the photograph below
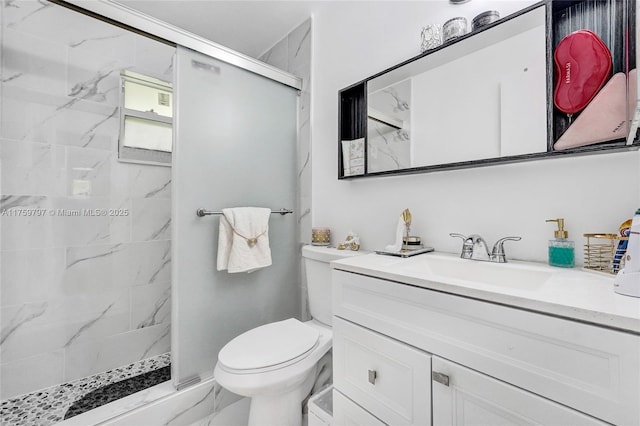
x,y
275,364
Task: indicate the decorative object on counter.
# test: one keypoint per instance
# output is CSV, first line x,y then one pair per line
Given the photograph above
x,y
583,65
352,242
431,37
411,243
406,216
400,247
401,231
454,27
605,117
628,279
320,236
485,18
561,249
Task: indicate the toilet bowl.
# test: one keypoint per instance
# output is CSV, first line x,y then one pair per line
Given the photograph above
x,y
276,364
281,372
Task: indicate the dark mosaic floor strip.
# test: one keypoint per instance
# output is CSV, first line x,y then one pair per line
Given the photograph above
x,y
106,394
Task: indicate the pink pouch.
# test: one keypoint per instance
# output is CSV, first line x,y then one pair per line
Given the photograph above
x,y
583,64
604,118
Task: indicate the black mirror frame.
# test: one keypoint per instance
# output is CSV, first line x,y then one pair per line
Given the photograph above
x,y
352,100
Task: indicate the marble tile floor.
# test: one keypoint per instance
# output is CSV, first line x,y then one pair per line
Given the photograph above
x,y
49,406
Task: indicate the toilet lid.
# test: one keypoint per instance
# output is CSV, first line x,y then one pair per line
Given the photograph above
x,y
269,345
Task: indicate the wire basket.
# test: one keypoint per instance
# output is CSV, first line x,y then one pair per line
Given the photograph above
x,y
600,253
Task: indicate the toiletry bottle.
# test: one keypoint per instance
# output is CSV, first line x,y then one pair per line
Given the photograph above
x,y
628,279
561,250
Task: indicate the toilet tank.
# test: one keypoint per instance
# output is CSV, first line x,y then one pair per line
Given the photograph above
x,y
318,273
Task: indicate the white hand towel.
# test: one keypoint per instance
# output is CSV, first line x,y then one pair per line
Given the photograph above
x,y
243,243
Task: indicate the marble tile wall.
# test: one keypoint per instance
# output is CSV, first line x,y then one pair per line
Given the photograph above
x,y
85,239
293,54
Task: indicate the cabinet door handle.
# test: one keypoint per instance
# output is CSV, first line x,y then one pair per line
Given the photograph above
x,y
440,378
372,376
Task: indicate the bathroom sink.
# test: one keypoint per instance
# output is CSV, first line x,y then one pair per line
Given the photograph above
x,y
513,275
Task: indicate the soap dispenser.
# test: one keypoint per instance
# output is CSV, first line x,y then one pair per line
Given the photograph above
x,y
561,250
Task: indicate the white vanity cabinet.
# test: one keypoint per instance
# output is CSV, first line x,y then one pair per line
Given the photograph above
x,y
448,359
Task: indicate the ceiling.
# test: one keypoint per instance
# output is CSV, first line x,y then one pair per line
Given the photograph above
x,y
249,27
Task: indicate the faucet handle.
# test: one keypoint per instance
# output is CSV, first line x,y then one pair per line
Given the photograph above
x,y
497,253
467,245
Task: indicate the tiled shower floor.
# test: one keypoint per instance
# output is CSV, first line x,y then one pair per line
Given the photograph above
x,y
48,406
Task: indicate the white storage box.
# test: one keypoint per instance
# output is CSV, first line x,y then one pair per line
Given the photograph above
x,y
320,408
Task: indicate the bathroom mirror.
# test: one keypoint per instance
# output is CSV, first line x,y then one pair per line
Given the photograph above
x,y
484,98
469,101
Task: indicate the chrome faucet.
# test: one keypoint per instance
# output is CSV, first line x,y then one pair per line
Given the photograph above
x,y
474,247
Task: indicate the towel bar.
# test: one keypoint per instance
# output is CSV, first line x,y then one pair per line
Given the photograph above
x,y
203,212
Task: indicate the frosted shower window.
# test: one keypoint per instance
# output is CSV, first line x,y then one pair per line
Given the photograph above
x,y
146,133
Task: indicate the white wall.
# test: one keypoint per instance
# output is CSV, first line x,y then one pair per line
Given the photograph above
x,y
353,40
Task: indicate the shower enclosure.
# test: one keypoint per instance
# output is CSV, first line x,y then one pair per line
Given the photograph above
x,y
106,271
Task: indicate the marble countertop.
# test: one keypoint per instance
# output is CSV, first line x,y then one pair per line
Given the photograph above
x,y
576,293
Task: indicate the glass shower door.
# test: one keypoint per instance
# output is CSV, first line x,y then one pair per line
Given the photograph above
x,y
235,134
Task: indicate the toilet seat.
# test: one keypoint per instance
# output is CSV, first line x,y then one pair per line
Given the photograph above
x,y
269,347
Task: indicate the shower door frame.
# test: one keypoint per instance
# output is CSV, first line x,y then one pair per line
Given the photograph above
x,y
135,21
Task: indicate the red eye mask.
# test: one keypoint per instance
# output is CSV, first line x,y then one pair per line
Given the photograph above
x,y
583,65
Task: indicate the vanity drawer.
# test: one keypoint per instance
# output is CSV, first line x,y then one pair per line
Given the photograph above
x,y
388,378
347,412
592,369
470,398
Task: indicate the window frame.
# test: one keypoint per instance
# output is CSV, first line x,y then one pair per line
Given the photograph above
x,y
129,154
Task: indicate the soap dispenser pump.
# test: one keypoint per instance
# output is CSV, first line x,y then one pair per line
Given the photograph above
x,y
561,249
